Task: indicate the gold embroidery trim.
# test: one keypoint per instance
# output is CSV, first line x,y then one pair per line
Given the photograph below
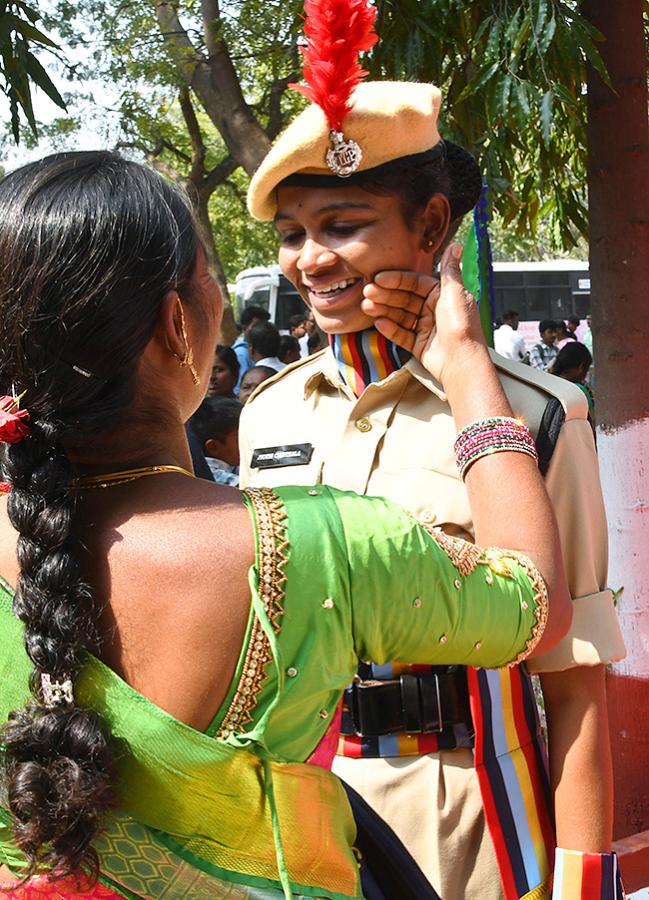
x,y
466,556
273,544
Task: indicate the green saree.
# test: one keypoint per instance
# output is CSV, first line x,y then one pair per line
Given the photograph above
x,y
236,812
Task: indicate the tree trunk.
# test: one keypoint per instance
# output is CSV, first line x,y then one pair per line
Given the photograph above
x,y
215,82
618,188
228,326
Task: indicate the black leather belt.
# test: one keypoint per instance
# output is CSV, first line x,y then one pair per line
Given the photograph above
x,y
422,703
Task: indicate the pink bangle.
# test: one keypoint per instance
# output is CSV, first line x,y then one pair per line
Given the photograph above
x,y
494,435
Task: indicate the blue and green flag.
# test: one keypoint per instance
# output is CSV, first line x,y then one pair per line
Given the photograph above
x,y
477,268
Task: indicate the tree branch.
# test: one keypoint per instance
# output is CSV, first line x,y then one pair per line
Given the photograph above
x,y
197,172
211,23
275,114
219,174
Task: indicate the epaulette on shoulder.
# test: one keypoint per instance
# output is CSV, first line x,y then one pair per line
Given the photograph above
x,y
300,365
569,395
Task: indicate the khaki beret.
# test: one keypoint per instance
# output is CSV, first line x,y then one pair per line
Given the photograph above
x,y
389,120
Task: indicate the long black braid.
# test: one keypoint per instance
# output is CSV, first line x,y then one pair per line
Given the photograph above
x,y
89,245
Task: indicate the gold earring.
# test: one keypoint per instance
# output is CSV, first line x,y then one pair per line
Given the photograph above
x,y
188,359
430,243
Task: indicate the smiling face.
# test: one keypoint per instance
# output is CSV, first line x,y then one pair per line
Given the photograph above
x,y
333,241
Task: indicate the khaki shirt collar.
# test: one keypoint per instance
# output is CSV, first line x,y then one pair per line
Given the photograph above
x,y
330,373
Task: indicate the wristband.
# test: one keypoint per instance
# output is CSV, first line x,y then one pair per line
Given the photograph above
x,y
586,876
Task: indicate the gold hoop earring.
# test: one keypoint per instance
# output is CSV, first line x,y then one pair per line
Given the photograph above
x,y
188,359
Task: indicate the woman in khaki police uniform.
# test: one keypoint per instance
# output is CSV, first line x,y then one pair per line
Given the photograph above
x,y
476,812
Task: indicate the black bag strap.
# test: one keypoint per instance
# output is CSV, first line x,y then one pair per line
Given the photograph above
x,y
554,415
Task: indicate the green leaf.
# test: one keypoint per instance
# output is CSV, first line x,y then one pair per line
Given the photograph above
x,y
483,76
30,33
492,50
513,27
506,90
486,23
546,117
564,95
545,39
40,77
541,15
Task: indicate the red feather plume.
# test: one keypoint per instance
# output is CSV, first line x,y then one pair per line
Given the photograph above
x,y
336,31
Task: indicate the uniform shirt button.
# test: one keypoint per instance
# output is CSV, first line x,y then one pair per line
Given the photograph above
x,y
363,424
328,603
324,714
291,672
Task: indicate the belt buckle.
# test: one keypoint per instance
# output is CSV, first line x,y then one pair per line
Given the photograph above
x,y
417,704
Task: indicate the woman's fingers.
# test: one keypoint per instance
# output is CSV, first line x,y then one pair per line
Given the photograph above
x,y
395,333
394,297
396,314
408,282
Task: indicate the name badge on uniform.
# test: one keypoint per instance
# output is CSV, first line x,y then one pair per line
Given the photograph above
x,y
286,455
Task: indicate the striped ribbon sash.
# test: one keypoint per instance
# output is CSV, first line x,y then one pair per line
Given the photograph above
x,y
511,764
586,876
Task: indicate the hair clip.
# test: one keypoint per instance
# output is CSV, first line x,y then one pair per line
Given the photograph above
x,y
84,372
13,420
56,693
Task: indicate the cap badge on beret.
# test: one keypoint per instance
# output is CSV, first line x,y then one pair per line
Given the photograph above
x,y
336,32
344,157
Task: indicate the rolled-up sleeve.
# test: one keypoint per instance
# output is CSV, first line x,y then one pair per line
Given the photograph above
x,y
575,492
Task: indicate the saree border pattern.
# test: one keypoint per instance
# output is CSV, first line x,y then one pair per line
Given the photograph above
x,y
466,557
273,544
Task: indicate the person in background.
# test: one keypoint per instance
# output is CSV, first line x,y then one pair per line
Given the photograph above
x,y
317,341
544,352
225,373
252,379
297,329
573,324
289,349
573,363
250,316
507,341
587,338
216,424
563,334
310,323
263,346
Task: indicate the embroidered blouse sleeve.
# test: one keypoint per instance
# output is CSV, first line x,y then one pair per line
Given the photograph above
x,y
420,595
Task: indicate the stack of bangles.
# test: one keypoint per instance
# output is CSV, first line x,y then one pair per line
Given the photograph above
x,y
495,435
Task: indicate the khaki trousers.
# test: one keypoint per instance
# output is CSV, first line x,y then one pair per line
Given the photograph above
x,y
433,803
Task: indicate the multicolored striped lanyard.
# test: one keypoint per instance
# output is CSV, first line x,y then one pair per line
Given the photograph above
x,y
366,357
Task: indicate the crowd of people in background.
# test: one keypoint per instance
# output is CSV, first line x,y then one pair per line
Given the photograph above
x,y
258,353
560,350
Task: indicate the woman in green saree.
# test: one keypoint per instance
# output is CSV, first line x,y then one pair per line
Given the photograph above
x,y
173,652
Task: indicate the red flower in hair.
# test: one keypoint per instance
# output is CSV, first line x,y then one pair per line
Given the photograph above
x,y
13,421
